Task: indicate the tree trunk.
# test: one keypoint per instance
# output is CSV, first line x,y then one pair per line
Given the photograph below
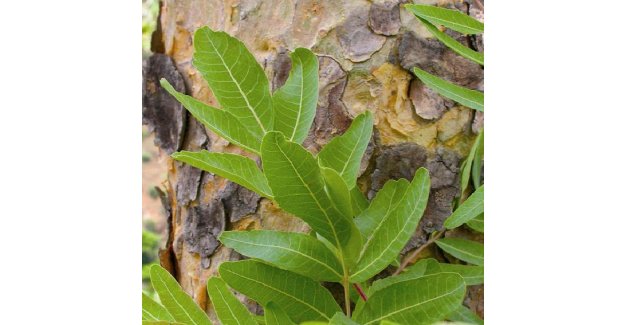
x,y
366,50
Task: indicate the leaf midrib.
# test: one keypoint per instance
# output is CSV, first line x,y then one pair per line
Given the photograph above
x,y
460,250
420,13
243,94
291,250
448,92
395,238
227,304
282,292
173,297
413,306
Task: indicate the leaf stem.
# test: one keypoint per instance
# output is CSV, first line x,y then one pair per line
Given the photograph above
x,y
411,259
348,306
360,292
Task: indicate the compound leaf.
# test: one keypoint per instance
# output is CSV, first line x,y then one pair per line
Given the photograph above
x,y
449,18
300,297
424,300
467,97
229,309
299,188
465,250
235,78
469,209
179,305
294,252
152,310
344,152
295,103
392,233
219,121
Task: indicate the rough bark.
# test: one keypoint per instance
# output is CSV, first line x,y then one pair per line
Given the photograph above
x,y
365,49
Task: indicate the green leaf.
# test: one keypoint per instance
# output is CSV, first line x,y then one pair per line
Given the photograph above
x,y
337,191
359,201
295,103
465,250
219,121
340,319
477,223
419,269
452,19
300,297
464,314
466,52
239,169
424,300
385,201
392,233
294,252
179,305
274,315
160,322
472,274
228,308
235,78
298,187
469,209
467,164
344,152
467,97
152,310
476,168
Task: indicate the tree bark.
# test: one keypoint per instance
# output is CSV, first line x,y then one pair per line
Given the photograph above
x,y
366,50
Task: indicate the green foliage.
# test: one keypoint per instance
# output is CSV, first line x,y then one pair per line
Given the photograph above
x,y
178,304
471,208
300,297
463,249
430,16
229,310
353,240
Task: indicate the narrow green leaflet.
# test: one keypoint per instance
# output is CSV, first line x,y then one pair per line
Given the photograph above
x,y
239,169
228,308
452,19
359,201
236,79
476,167
467,164
152,310
468,53
424,300
340,319
464,314
419,269
344,152
466,250
392,233
274,315
472,274
219,121
467,97
180,306
295,103
385,201
298,187
160,322
299,253
469,209
477,223
337,191
300,297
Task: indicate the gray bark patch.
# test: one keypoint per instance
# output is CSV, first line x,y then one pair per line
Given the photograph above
x,y
395,162
240,203
161,112
384,17
202,226
356,39
428,104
